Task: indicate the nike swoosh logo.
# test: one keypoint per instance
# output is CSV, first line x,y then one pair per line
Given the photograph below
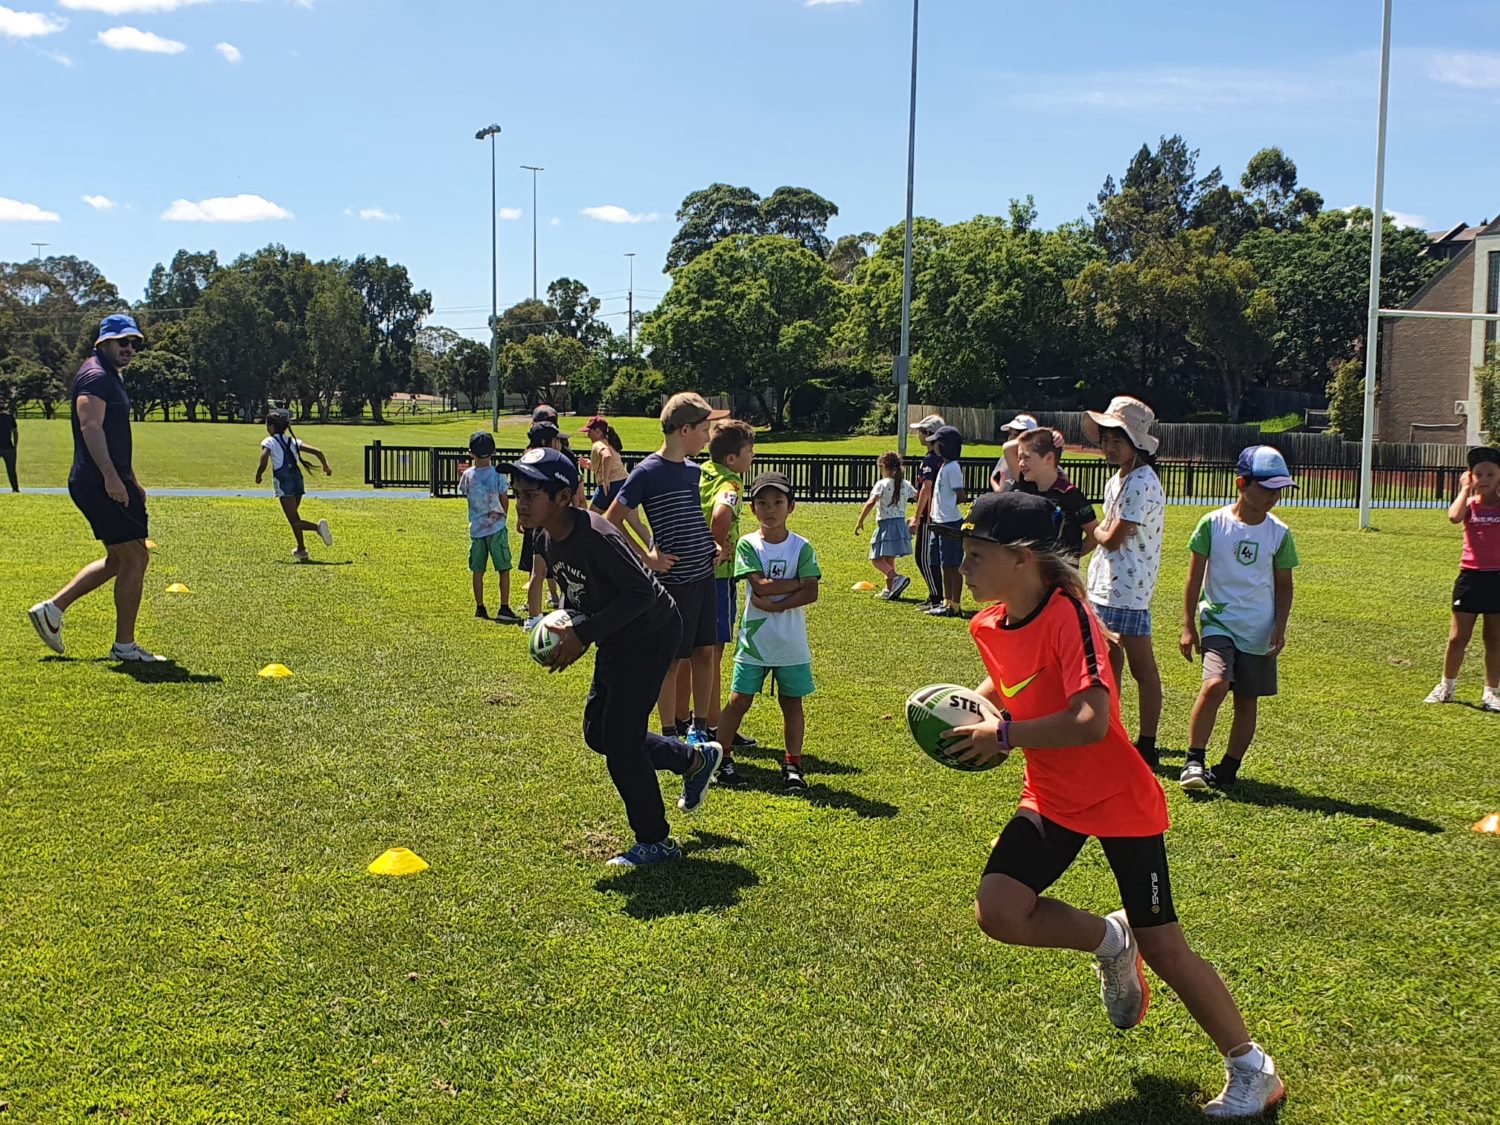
x,y
1009,692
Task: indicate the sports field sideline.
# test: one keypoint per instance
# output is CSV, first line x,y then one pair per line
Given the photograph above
x,y
187,931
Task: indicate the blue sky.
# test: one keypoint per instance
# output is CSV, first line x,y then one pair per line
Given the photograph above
x,y
350,123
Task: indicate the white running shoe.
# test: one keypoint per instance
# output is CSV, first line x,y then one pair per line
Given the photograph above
x,y
324,533
1443,693
531,623
46,618
1122,981
134,654
1248,1092
1490,701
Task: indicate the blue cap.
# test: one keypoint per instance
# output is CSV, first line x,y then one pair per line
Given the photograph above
x,y
948,442
545,466
117,327
1265,465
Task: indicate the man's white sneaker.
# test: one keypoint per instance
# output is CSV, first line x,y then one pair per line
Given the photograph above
x,y
1490,701
1248,1090
134,654
1443,693
1122,981
324,533
46,619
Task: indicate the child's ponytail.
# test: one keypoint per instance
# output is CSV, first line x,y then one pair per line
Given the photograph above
x,y
612,436
890,462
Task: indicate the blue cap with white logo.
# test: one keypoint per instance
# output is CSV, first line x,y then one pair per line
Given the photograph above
x,y
1264,465
545,466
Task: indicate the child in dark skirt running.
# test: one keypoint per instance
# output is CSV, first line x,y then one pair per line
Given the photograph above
x,y
1050,677
282,451
892,538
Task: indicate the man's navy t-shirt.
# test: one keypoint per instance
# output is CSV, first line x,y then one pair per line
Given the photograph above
x,y
668,490
98,380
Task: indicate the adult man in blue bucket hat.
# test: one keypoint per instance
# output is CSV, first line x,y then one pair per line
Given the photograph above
x,y
103,486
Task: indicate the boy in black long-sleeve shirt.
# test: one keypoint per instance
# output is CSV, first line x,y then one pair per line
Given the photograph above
x,y
635,625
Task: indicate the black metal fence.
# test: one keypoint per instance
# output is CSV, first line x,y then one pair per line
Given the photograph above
x,y
840,478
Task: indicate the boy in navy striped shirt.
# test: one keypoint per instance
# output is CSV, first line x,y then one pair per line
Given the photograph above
x,y
682,552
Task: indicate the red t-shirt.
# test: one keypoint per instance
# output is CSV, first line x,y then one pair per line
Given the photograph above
x,y
1038,665
1481,539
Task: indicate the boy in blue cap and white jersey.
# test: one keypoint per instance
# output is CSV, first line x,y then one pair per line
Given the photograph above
x,y
1239,596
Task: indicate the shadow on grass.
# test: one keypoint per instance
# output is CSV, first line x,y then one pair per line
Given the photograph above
x,y
811,762
1157,1101
1250,791
760,779
314,562
690,886
162,672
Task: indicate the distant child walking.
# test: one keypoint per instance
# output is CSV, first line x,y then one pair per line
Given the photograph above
x,y
489,539
892,538
1476,594
282,450
1123,571
920,524
947,495
782,572
605,461
1042,649
636,627
1238,599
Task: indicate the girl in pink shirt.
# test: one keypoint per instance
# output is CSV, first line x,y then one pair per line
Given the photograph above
x,y
1476,594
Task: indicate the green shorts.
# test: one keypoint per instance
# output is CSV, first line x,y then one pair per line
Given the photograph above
x,y
495,546
792,681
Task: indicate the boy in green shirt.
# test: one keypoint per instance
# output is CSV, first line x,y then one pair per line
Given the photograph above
x,y
783,574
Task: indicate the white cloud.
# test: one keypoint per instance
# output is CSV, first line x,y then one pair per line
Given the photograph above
x,y
1469,70
1405,219
14,211
134,39
100,202
377,215
28,25
127,7
225,209
230,52
828,3
511,213
609,213
554,221
57,57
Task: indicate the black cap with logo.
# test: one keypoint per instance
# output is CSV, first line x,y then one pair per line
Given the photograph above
x,y
1009,517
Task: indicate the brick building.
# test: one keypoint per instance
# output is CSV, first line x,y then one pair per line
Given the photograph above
x,y
1427,386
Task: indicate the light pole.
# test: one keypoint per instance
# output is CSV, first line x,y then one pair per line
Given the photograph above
x,y
630,304
903,361
492,131
39,246
1372,321
533,169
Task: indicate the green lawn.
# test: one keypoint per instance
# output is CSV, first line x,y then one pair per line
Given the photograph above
x,y
187,932
224,455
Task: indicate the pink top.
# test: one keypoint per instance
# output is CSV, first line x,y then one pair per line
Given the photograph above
x,y
1481,539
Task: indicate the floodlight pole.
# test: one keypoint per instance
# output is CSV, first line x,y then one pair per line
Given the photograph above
x,y
903,361
1372,322
630,305
533,169
491,131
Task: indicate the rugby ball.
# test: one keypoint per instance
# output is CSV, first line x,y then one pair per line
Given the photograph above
x,y
933,711
542,641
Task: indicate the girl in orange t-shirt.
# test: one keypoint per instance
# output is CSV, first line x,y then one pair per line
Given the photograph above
x,y
1048,663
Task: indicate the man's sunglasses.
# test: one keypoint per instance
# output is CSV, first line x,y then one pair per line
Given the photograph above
x,y
128,342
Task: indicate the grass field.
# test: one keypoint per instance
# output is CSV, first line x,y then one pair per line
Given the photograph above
x,y
187,932
224,455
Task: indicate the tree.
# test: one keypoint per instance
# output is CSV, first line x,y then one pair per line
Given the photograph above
x,y
527,318
752,315
709,216
465,370
155,379
180,285
433,342
338,343
393,313
799,214
1158,198
848,252
1346,400
576,312
533,365
26,380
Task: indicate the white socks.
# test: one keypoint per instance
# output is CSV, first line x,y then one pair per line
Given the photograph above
x,y
1253,1059
1450,685
1114,939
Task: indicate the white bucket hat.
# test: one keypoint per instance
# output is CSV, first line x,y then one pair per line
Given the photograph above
x,y
1124,413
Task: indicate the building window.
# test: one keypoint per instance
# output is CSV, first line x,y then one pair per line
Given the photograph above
x,y
1492,298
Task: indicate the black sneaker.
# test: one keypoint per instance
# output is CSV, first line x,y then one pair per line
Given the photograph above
x,y
1220,778
728,775
507,616
791,778
480,611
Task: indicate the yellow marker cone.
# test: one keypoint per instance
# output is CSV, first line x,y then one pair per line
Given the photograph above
x,y
398,861
178,588
150,544
276,671
863,586
1490,824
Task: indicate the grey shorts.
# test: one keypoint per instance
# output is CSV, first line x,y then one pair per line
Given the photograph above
x,y
1247,672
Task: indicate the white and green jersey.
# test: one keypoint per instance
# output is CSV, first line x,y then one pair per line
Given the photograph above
x,y
1239,591
774,640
